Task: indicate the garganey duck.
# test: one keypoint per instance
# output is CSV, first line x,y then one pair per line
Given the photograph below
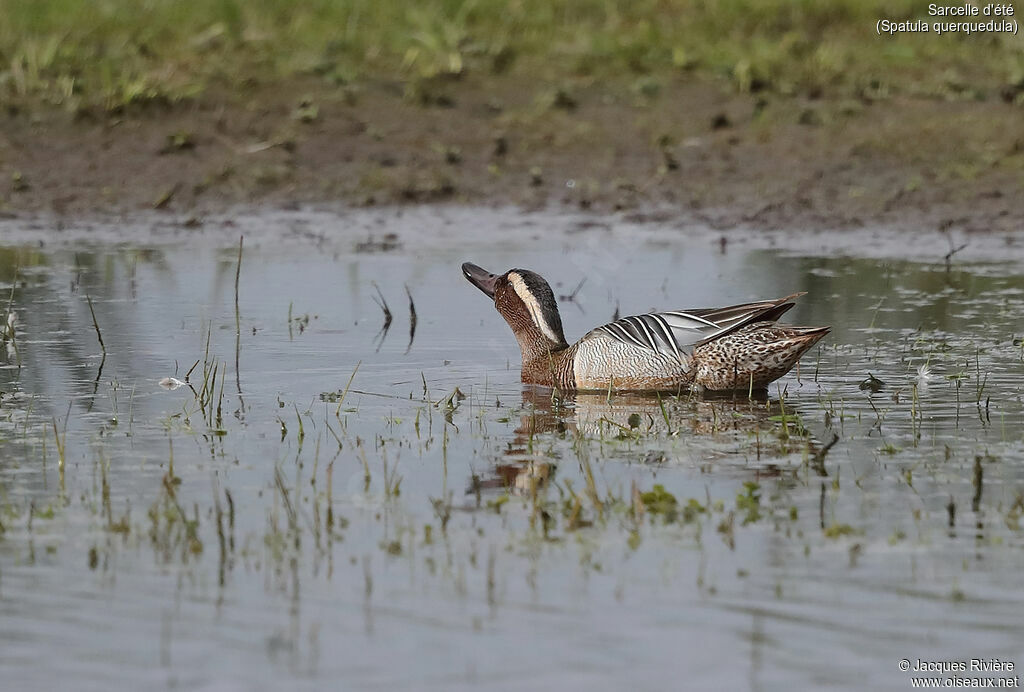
x,y
739,347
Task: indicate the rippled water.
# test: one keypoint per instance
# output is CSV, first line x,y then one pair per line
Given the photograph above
x,y
377,509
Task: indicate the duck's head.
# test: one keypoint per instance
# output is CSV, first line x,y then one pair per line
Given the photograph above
x,y
526,302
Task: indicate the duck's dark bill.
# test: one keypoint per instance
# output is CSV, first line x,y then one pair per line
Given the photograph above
x,y
480,277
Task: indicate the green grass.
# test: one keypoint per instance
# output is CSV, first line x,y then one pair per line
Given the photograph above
x,y
113,53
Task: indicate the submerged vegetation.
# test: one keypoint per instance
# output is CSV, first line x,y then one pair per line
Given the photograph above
x,y
114,53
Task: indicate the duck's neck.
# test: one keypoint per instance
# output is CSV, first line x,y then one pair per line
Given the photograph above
x,y
550,366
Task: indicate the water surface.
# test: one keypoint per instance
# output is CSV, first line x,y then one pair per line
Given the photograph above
x,y
376,509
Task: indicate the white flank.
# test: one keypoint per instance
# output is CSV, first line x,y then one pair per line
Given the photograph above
x,y
533,306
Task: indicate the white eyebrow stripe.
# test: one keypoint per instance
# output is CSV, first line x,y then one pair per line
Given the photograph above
x,y
536,313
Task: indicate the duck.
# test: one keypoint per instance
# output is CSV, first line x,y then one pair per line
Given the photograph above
x,y
733,348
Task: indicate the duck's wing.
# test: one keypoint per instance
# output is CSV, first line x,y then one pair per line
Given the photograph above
x,y
669,333
675,333
733,317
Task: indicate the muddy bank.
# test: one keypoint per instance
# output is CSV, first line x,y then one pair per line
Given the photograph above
x,y
695,150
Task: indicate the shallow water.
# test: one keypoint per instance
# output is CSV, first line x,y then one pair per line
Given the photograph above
x,y
380,509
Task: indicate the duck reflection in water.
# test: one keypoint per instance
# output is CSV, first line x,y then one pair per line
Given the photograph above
x,y
721,426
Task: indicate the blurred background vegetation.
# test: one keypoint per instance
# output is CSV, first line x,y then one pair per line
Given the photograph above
x,y
112,53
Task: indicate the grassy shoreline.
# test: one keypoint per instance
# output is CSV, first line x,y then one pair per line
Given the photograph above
x,y
114,53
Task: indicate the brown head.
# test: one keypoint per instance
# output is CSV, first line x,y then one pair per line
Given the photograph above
x,y
527,303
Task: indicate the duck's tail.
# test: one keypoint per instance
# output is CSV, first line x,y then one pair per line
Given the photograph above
x,y
754,356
